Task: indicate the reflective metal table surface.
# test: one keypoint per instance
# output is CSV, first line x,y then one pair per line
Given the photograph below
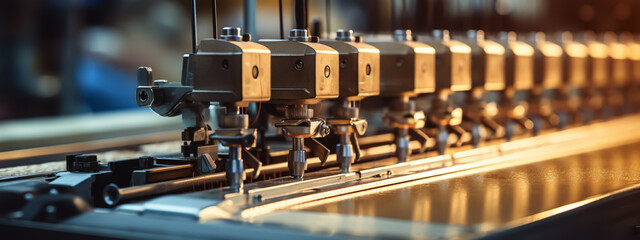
x,y
469,204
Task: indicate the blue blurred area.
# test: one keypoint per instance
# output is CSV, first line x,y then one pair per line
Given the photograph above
x,y
104,87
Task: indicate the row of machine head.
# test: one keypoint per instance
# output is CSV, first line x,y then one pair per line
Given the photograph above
x,y
460,72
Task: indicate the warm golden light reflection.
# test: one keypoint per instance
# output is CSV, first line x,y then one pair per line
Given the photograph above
x,y
520,195
550,186
616,159
576,173
491,208
422,209
498,196
595,183
458,212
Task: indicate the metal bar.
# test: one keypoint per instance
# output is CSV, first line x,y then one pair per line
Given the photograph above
x,y
194,30
56,152
153,189
250,17
214,18
281,21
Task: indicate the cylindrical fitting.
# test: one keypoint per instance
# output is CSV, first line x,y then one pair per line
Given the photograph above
x,y
345,35
402,35
402,144
297,159
231,34
235,169
299,111
344,153
300,35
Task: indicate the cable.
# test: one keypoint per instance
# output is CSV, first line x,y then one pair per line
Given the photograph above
x,y
257,115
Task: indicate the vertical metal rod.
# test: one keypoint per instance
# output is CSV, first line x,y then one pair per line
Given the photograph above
x,y
250,17
194,31
214,18
300,13
306,14
281,27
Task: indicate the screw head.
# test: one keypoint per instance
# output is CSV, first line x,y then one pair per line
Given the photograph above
x,y
143,96
343,63
299,64
225,65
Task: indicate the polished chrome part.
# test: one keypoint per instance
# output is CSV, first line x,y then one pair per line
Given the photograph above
x,y
301,35
345,35
231,34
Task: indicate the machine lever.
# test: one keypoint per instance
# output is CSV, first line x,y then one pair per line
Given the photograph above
x,y
252,162
356,146
318,150
421,137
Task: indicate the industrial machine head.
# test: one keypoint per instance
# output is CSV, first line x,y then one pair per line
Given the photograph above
x,y
487,63
574,60
359,66
407,67
548,62
230,69
519,58
619,66
302,71
453,64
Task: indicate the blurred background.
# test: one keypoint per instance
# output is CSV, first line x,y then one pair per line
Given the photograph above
x,y
80,56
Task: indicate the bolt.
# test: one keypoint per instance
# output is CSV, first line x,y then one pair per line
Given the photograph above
x,y
299,64
343,63
257,197
28,196
143,96
225,64
50,209
399,62
368,69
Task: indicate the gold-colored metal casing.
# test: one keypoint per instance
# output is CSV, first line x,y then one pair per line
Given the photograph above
x,y
618,59
598,69
453,64
487,64
548,63
634,56
231,71
303,72
575,61
359,69
519,58
406,68
460,65
494,73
